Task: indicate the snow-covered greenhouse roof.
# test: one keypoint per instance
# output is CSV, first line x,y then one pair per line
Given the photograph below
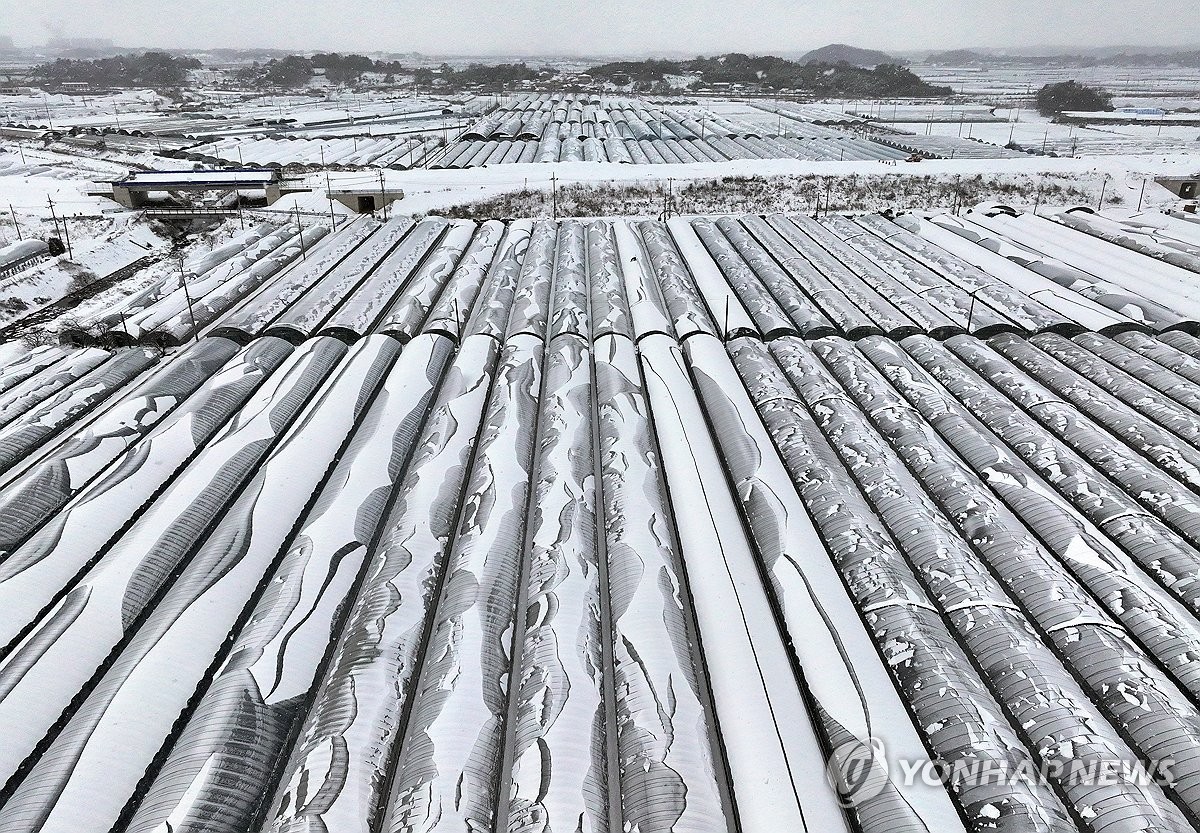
x,y
614,525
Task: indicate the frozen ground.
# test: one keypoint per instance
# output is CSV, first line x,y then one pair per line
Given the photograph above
x,y
1033,132
105,237
103,248
428,192
80,110
1166,86
146,108
30,179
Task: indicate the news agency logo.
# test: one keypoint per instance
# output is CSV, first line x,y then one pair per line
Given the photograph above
x,y
859,772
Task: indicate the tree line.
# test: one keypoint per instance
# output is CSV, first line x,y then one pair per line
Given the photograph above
x,y
296,71
767,72
147,69
772,73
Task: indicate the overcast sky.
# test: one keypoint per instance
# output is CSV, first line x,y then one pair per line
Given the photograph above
x,y
604,27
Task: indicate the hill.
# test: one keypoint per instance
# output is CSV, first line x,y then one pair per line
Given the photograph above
x,y
841,53
960,57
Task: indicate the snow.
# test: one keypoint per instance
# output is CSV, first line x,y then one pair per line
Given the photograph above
x,y
94,257
1032,131
80,110
428,191
27,187
216,178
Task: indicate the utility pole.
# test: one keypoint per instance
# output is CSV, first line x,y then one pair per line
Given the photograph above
x,y
554,196
53,216
16,225
188,295
300,225
329,195
328,192
971,311
67,235
382,194
1142,194
1103,185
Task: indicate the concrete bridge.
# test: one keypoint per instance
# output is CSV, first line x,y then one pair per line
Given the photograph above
x,y
132,191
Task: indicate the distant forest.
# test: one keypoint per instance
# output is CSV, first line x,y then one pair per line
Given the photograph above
x,y
771,73
820,73
148,69
296,71
159,69
762,72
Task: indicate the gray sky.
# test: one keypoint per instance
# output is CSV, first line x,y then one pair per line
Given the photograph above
x,y
604,27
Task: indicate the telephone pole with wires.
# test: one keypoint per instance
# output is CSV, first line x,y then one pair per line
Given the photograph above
x,y
188,296
67,237
300,234
329,196
328,191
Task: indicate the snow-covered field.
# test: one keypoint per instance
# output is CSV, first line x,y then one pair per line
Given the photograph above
x,y
81,110
39,187
430,191
729,496
1035,133
1164,86
103,248
105,237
